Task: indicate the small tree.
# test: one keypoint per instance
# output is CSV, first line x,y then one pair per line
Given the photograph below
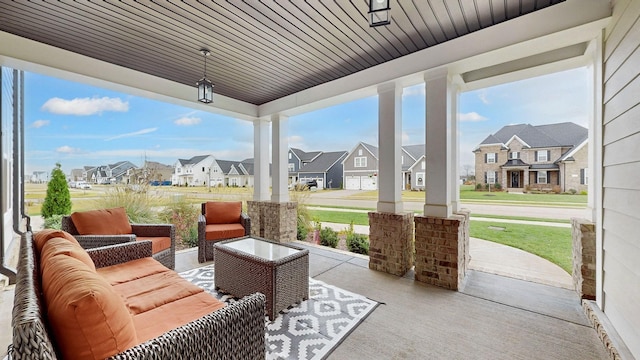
x,y
58,199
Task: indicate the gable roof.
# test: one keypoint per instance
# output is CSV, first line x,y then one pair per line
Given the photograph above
x,y
324,162
305,156
194,160
565,134
415,152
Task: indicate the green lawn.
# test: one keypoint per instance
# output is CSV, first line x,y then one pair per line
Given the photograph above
x,y
340,217
468,194
551,243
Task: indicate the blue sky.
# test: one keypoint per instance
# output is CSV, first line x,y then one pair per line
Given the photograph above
x,y
78,125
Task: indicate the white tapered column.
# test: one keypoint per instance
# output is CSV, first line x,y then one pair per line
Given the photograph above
x,y
439,169
390,148
261,160
280,131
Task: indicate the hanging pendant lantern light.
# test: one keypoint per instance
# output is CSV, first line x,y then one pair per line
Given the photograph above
x,y
379,13
205,86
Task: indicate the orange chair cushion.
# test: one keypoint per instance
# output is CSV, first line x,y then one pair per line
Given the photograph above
x,y
102,222
223,212
131,270
153,323
43,236
158,243
57,246
89,320
223,231
155,290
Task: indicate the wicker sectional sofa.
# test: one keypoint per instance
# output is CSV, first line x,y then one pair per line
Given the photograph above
x,y
235,331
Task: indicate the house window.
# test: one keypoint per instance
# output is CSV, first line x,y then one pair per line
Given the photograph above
x,y
490,177
292,167
422,165
178,170
490,158
514,155
360,161
542,177
359,152
584,176
542,155
402,159
419,179
203,169
289,156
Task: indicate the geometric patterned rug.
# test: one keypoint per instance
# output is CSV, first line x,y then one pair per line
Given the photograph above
x,y
308,330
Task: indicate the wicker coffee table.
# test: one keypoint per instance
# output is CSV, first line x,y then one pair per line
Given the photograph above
x,y
247,265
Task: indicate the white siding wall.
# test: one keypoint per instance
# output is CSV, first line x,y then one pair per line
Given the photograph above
x,y
621,177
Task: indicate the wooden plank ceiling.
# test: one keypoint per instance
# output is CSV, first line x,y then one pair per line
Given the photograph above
x,y
261,50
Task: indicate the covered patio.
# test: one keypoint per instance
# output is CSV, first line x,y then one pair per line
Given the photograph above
x,y
274,60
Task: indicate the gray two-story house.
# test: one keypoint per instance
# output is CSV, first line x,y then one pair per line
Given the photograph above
x,y
361,168
545,157
323,167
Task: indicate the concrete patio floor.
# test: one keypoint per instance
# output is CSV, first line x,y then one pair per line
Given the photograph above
x,y
493,317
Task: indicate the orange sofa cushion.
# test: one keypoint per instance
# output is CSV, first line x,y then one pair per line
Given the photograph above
x,y
41,237
61,246
223,212
155,290
102,222
89,320
158,243
131,270
174,315
223,231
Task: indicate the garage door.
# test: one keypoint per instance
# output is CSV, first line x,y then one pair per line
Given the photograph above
x,y
320,184
368,183
352,183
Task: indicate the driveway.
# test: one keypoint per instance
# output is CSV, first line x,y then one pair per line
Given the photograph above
x,y
340,198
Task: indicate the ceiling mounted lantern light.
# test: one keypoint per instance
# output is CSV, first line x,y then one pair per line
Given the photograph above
x,y
379,13
205,86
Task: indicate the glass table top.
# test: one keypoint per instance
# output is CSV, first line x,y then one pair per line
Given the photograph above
x,y
262,249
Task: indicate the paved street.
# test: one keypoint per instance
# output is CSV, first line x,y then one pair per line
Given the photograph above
x,y
339,198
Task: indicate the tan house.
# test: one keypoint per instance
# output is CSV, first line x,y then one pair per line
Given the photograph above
x,y
545,157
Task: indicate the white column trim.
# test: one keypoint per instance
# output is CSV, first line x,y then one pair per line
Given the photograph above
x,y
390,148
438,145
261,160
280,149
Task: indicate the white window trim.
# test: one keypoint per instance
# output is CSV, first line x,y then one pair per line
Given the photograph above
x,y
540,152
546,177
491,177
360,161
420,179
516,153
491,158
292,167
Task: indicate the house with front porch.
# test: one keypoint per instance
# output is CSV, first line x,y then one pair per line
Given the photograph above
x,y
524,157
196,171
326,169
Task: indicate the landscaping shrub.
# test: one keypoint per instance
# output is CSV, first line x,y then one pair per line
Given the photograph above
x,y
497,186
358,243
573,191
583,192
184,216
302,230
556,189
53,222
478,186
328,237
58,199
135,200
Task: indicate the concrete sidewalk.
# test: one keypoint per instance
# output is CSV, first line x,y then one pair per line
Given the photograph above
x,y
494,258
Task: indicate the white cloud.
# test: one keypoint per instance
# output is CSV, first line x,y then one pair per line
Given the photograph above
x,y
40,123
85,106
471,117
405,137
297,141
188,121
67,150
482,95
414,90
135,133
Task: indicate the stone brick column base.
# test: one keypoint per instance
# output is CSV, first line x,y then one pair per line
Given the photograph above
x,y
583,233
442,250
391,242
273,221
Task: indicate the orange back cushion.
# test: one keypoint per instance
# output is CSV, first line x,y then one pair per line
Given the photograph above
x,y
57,246
225,212
41,237
89,320
102,222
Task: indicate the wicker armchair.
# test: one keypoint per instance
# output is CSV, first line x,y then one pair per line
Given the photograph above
x,y
218,221
235,331
139,232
